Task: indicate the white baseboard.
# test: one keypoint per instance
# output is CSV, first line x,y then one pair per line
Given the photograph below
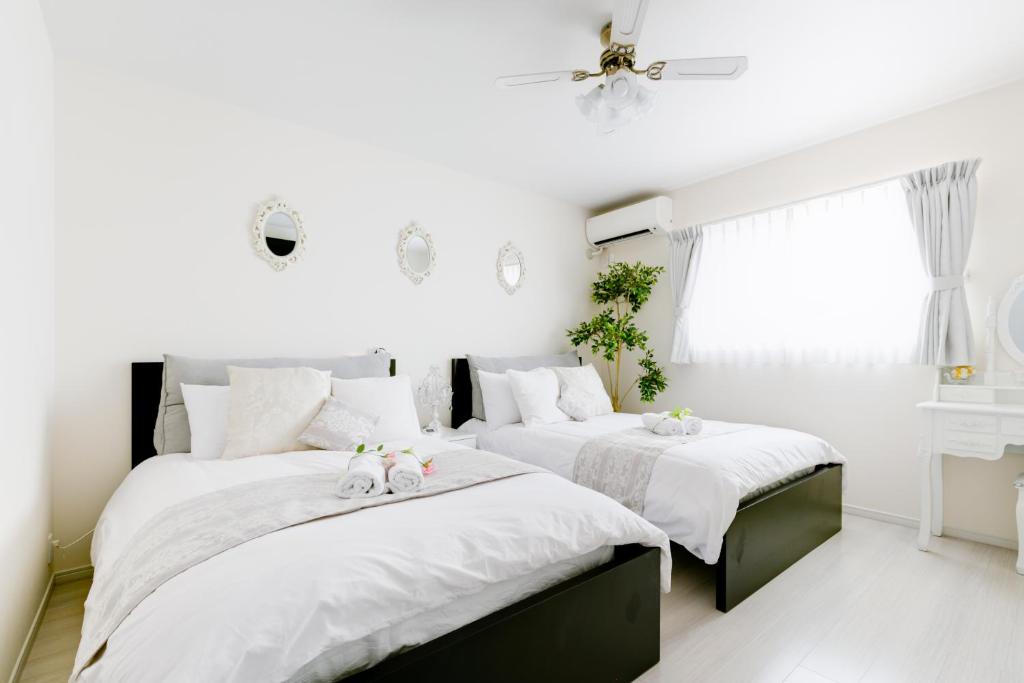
x,y
952,532
26,647
73,574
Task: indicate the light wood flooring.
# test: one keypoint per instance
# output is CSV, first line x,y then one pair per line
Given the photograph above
x,y
866,606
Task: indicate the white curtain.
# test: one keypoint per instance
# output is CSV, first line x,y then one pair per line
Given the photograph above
x,y
683,266
835,279
942,202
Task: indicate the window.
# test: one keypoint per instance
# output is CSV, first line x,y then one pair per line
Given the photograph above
x,y
836,279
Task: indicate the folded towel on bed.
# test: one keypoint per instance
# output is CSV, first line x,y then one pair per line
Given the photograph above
x,y
406,474
664,424
365,477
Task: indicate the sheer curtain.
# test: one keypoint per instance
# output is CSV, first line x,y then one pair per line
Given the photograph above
x,y
836,279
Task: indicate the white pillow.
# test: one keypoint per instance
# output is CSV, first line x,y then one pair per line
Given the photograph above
x,y
499,402
390,398
270,407
536,393
207,408
338,427
581,393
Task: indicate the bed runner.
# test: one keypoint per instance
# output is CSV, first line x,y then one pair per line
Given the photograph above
x,y
619,464
190,532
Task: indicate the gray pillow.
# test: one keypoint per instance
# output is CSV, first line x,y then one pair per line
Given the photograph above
x,y
171,433
478,363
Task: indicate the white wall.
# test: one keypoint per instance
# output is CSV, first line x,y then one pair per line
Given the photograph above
x,y
868,412
157,190
26,317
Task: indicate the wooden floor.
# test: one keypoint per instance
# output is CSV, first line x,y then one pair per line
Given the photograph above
x,y
866,606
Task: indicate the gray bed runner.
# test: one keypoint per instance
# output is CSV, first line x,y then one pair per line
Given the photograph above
x,y
619,464
190,532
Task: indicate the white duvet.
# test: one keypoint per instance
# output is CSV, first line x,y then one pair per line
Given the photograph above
x,y
318,600
695,487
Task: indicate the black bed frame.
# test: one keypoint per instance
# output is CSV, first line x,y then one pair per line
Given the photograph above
x,y
602,625
770,532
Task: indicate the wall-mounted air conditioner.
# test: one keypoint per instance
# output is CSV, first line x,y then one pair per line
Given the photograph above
x,y
636,220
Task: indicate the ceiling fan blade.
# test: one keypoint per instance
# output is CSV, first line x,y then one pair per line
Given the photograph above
x,y
704,68
627,20
538,79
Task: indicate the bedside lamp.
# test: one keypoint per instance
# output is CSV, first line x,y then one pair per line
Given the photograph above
x,y
434,391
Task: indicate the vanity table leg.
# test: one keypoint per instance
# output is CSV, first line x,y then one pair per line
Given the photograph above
x,y
1019,484
924,533
936,477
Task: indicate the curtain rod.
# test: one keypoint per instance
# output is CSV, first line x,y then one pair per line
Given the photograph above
x,y
786,205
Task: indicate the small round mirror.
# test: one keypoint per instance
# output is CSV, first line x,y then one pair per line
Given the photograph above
x,y
277,234
416,255
511,268
281,234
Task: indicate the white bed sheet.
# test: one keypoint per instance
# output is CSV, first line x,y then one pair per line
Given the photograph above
x,y
333,596
696,487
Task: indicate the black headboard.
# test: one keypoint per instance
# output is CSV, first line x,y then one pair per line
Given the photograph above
x,y
147,381
462,393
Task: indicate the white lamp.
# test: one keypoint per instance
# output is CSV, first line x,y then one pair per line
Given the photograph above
x,y
434,392
618,101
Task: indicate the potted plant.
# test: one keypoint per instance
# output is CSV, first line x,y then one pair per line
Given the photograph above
x,y
623,290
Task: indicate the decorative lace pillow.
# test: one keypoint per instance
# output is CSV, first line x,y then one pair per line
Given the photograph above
x,y
270,408
581,393
338,427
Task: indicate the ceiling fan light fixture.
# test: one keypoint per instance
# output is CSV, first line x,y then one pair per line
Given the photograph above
x,y
616,103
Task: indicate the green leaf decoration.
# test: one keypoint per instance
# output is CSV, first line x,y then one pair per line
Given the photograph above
x,y
624,289
360,448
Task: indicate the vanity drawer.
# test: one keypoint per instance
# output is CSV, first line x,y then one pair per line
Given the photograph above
x,y
967,422
969,441
966,394
1013,425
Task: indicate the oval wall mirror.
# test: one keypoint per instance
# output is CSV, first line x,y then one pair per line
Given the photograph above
x,y
1011,320
511,268
416,254
278,235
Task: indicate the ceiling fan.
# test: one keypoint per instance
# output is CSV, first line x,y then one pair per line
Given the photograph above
x,y
621,98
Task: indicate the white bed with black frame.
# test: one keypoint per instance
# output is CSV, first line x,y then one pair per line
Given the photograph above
x,y
748,499
523,578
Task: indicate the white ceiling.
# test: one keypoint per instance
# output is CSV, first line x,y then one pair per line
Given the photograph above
x,y
417,76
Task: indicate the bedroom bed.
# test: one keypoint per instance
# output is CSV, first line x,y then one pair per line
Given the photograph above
x,y
428,589
749,500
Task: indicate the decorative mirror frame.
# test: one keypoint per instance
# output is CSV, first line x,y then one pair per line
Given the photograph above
x,y
1003,320
259,235
509,249
406,234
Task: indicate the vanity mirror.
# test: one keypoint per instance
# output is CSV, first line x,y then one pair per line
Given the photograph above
x,y
278,235
511,268
1010,320
416,255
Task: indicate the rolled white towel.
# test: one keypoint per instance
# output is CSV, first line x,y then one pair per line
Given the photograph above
x,y
365,478
662,424
692,425
406,474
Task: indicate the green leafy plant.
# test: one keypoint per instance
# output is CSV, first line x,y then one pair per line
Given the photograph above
x,y
623,289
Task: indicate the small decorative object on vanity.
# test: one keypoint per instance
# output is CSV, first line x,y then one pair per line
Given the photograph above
x,y
511,268
434,391
278,235
416,254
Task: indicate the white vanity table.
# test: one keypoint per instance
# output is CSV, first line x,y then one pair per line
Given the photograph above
x,y
976,420
966,430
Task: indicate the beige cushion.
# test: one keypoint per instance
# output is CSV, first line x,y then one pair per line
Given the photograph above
x,y
270,408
